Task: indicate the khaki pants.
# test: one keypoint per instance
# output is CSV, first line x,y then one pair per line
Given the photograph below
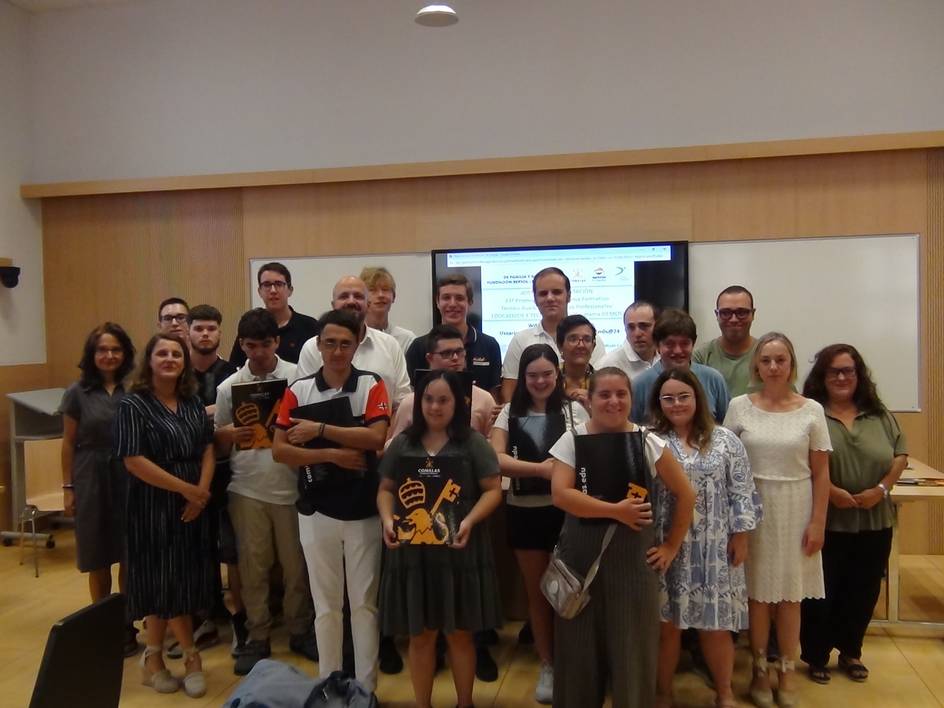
x,y
265,532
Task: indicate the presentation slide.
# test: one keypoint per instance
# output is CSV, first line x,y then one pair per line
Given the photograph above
x,y
604,280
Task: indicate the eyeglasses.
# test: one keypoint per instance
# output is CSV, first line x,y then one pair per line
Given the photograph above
x,y
273,284
847,372
334,344
451,353
681,398
167,319
578,339
742,313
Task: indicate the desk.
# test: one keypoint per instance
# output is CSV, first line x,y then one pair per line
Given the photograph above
x,y
902,494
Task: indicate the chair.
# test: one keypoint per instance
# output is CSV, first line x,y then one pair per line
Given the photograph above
x,y
43,479
83,661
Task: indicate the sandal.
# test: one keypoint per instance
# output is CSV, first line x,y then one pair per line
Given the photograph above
x,y
819,674
158,679
786,698
853,668
761,694
194,682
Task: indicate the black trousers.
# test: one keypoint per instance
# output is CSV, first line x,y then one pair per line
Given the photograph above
x,y
853,567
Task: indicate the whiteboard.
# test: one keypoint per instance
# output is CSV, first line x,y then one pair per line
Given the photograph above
x,y
314,277
862,291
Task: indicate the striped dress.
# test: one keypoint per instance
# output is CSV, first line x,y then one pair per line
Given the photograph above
x,y
170,563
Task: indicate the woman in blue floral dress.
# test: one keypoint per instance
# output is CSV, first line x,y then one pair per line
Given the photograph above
x,y
704,588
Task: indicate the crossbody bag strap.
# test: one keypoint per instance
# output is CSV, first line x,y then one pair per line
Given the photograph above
x,y
592,573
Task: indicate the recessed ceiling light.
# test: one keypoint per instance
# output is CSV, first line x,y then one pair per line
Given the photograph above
x,y
436,16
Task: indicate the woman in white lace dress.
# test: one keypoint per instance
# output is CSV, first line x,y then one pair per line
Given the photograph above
x,y
788,445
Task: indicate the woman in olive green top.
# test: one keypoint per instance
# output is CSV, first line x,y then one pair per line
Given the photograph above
x,y
868,457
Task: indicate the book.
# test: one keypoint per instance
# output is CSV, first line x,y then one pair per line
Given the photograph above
x,y
429,502
466,377
611,467
529,439
323,475
256,405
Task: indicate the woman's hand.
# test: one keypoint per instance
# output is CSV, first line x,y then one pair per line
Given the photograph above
x,y
581,396
68,501
660,558
869,498
634,513
191,512
841,499
350,459
389,534
737,548
813,538
196,495
302,431
462,535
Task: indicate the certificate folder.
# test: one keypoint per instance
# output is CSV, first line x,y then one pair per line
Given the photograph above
x,y
611,467
256,405
430,501
529,439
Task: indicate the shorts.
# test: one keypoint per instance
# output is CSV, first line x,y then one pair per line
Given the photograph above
x,y
533,528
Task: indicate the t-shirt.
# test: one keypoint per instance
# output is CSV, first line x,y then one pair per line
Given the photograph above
x,y
626,359
861,457
377,352
482,358
565,448
778,443
209,380
711,381
536,335
736,370
482,405
292,337
356,499
254,473
482,459
574,415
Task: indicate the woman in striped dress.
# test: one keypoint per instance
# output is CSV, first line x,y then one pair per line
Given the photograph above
x,y
165,439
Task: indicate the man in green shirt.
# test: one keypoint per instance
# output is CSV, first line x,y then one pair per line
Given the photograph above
x,y
731,353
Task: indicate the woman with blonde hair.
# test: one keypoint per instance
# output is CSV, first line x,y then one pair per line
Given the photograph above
x,y
788,444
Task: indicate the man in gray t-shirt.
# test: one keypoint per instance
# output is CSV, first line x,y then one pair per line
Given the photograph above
x,y
732,352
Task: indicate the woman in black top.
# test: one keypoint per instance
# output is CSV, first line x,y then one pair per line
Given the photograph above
x,y
165,438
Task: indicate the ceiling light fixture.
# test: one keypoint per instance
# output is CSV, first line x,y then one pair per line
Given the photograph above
x,y
436,16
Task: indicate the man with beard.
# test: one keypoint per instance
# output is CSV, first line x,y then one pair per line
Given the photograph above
x,y
275,288
376,351
731,353
208,366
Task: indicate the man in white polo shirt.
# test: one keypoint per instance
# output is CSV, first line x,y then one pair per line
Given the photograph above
x,y
551,289
376,350
638,352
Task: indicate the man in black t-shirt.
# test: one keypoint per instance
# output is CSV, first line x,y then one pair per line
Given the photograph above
x,y
275,288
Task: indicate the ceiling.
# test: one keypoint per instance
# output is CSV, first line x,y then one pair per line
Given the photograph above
x,y
49,5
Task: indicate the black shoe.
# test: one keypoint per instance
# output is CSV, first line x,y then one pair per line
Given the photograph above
x,y
485,667
304,645
240,633
256,650
390,660
525,635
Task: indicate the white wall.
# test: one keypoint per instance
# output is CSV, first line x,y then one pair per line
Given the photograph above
x,y
22,332
169,87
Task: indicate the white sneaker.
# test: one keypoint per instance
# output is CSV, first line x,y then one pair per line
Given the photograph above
x,y
544,690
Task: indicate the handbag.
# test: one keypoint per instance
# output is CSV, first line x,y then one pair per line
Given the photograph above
x,y
564,589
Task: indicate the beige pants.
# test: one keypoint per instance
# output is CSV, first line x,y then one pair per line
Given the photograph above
x,y
265,532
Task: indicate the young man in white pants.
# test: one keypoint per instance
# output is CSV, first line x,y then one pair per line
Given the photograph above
x,y
342,536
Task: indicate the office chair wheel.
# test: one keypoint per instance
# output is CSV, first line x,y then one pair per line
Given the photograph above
x,y
50,542
7,542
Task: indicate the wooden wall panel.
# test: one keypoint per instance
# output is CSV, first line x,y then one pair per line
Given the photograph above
x,y
116,257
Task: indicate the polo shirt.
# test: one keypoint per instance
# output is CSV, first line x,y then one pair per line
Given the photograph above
x,y
357,498
536,335
292,337
377,352
713,382
208,381
482,406
626,359
736,370
482,358
255,474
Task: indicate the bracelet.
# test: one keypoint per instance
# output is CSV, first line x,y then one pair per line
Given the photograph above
x,y
881,485
321,431
68,486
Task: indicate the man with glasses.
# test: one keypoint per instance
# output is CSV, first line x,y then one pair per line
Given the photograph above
x,y
275,288
731,353
172,318
376,351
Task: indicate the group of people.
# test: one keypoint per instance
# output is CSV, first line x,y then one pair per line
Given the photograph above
x,y
753,506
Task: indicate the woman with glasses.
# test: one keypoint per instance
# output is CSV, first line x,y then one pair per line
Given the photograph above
x,y
869,455
787,442
576,338
704,588
534,419
94,480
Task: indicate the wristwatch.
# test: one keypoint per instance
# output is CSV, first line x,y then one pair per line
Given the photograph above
x,y
881,485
